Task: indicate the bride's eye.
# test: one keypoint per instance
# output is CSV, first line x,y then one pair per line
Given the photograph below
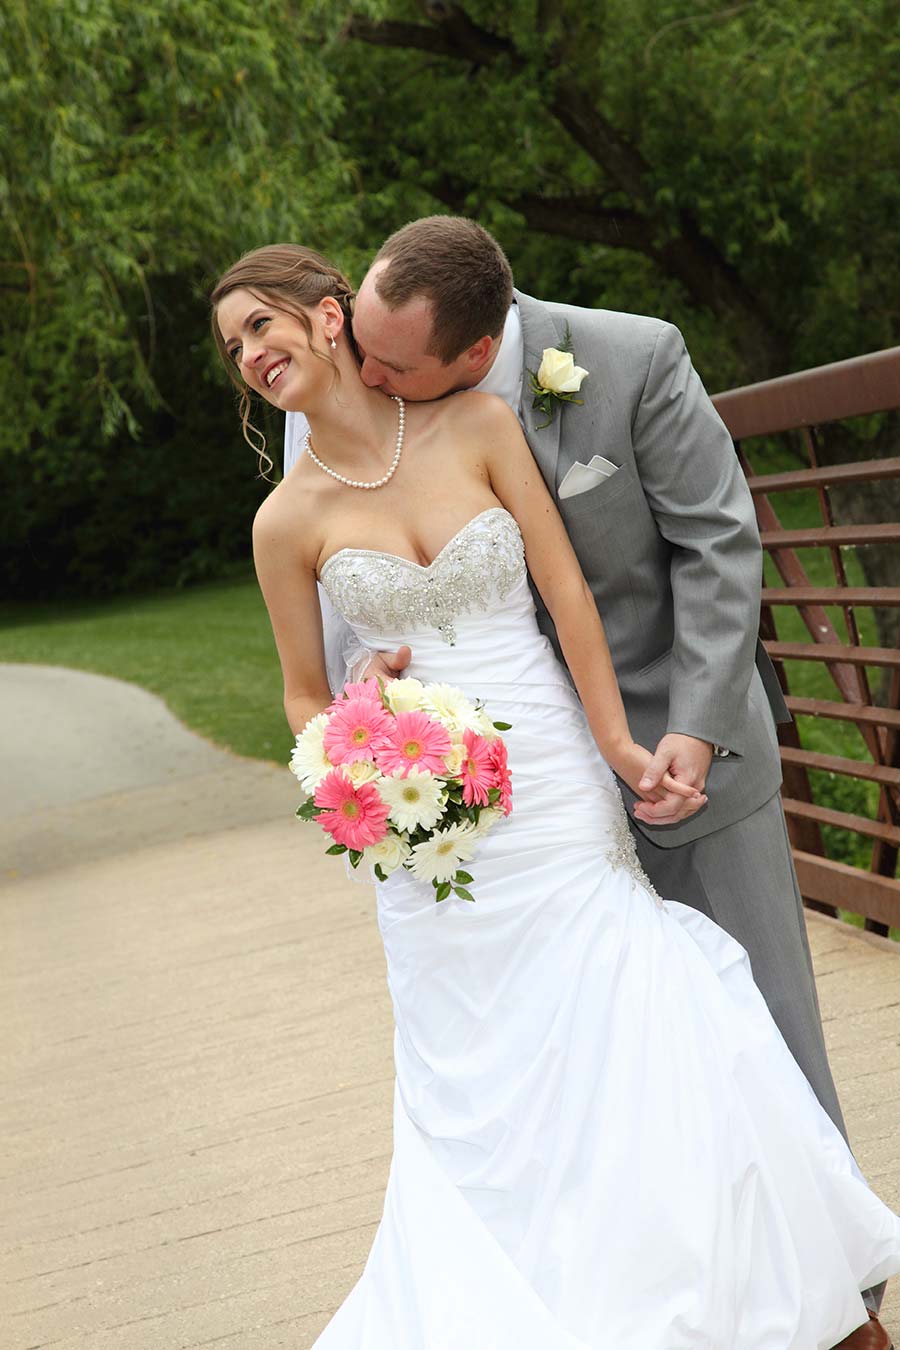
x,y
234,354
256,322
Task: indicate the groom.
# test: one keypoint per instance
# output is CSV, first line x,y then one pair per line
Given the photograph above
x,y
664,528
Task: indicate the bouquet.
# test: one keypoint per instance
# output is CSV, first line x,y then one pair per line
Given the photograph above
x,y
407,775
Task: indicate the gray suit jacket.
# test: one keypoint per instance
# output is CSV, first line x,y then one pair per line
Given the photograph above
x,y
669,546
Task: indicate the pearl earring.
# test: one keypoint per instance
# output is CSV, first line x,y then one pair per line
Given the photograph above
x,y
333,345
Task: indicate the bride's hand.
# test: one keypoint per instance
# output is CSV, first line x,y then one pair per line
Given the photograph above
x,y
384,665
679,800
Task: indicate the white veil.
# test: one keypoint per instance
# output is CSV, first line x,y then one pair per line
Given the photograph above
x,y
341,645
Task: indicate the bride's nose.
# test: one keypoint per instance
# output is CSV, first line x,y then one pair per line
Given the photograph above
x,y
252,355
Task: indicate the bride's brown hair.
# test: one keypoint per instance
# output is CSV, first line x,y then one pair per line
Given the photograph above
x,y
297,279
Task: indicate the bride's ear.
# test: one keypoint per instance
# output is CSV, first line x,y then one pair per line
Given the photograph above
x,y
332,319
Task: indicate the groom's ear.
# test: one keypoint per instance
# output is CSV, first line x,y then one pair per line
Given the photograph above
x,y
475,356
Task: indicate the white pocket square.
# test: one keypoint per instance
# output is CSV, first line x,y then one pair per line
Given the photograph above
x,y
582,477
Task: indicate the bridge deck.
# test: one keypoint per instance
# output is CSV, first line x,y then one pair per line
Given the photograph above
x,y
196,1067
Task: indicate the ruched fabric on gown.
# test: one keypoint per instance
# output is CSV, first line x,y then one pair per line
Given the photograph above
x,y
600,1138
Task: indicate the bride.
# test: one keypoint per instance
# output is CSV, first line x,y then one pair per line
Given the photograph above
x,y
600,1138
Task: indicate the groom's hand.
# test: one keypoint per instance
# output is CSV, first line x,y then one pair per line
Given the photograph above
x,y
684,758
387,665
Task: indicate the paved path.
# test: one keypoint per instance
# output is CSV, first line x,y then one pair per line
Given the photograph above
x,y
93,767
195,1061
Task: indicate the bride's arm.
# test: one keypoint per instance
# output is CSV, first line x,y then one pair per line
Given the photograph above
x,y
287,579
516,480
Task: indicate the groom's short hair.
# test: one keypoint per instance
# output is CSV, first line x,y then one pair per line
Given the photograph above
x,y
460,268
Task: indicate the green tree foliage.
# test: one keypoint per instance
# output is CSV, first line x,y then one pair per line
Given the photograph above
x,y
142,147
734,169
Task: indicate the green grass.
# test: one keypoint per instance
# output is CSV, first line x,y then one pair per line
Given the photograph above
x,y
208,652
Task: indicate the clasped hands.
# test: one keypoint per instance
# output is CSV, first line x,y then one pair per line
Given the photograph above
x,y
669,783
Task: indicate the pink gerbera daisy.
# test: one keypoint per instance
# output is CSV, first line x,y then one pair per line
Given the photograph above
x,y
500,765
363,689
354,727
354,816
414,740
477,772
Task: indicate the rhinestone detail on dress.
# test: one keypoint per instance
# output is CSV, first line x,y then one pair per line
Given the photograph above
x,y
622,853
479,565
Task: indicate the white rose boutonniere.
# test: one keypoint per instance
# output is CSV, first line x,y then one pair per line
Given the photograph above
x,y
557,378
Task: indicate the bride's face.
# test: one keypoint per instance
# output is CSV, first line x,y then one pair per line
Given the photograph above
x,y
271,349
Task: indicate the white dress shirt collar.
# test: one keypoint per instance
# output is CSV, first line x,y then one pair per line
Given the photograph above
x,y
505,375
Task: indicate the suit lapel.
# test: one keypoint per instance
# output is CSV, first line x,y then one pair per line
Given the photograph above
x,y
538,332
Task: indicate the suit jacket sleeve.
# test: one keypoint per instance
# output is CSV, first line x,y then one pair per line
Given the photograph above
x,y
702,506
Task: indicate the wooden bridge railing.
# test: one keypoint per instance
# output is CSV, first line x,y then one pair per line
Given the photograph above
x,y
799,404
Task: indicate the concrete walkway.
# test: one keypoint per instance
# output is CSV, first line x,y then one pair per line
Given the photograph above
x,y
196,1051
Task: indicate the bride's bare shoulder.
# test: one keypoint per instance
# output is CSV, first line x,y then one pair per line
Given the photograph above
x,y
285,523
472,411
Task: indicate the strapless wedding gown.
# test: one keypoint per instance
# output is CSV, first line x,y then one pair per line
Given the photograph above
x,y
600,1139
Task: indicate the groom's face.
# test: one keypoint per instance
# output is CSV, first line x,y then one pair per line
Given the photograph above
x,y
393,347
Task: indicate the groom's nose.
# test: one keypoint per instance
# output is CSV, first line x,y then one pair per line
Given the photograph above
x,y
372,373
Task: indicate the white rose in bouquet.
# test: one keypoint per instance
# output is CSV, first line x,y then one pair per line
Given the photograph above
x,y
389,853
404,695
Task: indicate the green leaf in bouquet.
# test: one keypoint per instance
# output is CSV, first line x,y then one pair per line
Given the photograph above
x,y
380,872
442,891
337,848
355,857
462,878
464,894
503,726
307,810
493,796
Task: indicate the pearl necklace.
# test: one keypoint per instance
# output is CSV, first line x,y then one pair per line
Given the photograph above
x,y
350,482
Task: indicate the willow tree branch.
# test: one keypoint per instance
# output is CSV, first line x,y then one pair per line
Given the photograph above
x,y
583,216
678,245
453,34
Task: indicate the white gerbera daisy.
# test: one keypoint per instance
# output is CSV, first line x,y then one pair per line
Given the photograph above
x,y
451,707
390,852
404,695
309,763
438,858
417,799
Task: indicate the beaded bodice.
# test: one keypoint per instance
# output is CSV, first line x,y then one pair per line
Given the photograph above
x,y
474,571
474,598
